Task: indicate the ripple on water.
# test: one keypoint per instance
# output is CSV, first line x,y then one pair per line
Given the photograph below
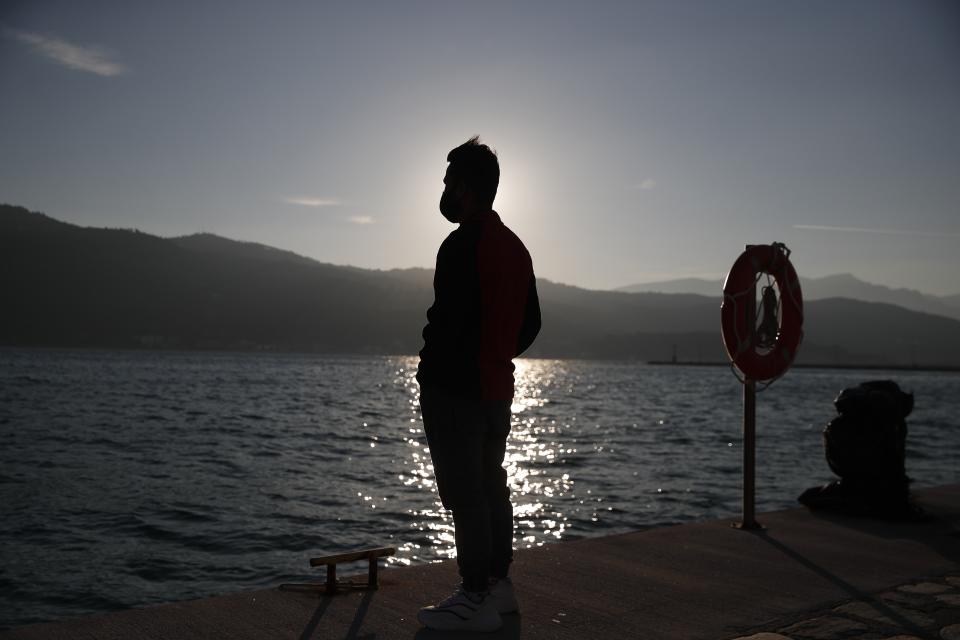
x,y
198,473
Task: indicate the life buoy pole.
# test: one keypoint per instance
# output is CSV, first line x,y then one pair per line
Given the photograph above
x,y
748,519
738,326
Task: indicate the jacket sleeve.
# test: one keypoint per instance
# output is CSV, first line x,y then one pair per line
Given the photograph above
x,y
531,318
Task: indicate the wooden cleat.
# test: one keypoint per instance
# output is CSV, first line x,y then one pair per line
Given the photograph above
x,y
332,585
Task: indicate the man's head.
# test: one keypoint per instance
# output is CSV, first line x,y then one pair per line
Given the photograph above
x,y
470,185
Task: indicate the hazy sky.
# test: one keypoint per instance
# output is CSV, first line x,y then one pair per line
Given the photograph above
x,y
638,140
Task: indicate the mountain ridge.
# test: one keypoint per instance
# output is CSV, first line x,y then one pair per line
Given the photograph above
x,y
78,286
840,285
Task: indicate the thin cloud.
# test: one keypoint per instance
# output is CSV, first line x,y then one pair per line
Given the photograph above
x,y
888,232
645,185
314,202
360,220
89,59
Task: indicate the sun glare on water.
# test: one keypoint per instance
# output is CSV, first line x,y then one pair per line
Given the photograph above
x,y
532,448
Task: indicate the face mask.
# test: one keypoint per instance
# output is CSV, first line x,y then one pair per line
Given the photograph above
x,y
449,207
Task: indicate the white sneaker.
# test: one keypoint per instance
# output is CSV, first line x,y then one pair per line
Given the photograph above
x,y
463,611
503,596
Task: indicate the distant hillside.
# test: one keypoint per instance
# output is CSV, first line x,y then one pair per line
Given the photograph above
x,y
698,286
69,285
952,301
215,245
835,286
64,285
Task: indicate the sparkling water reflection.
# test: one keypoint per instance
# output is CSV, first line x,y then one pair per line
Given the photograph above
x,y
532,449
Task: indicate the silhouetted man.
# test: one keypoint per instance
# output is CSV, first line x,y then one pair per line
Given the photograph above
x,y
485,313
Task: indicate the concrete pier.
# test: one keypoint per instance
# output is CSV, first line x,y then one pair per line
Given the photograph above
x,y
806,576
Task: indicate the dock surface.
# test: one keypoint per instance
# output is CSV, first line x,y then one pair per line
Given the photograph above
x,y
805,576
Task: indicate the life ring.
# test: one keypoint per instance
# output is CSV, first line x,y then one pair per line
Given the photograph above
x,y
741,343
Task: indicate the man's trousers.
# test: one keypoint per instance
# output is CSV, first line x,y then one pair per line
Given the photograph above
x,y
468,440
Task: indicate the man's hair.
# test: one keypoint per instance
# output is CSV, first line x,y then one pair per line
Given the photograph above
x,y
476,165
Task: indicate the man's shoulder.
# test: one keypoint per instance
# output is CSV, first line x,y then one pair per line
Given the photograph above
x,y
458,246
458,237
506,236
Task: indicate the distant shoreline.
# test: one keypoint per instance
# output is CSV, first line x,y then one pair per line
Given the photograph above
x,y
352,354
872,367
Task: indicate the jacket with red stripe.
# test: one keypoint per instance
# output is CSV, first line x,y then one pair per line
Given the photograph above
x,y
485,311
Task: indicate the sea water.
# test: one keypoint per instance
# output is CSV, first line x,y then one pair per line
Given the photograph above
x,y
130,478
